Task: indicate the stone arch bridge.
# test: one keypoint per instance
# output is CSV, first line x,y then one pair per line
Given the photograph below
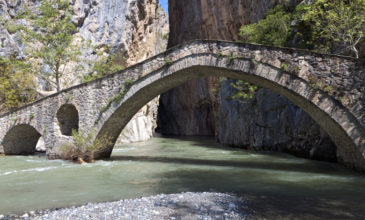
x,y
331,89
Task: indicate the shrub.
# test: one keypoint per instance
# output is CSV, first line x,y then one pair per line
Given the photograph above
x,y
243,90
84,148
168,61
273,30
17,86
105,65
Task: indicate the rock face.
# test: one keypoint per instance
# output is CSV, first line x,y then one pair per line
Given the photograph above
x,y
143,124
188,109
9,41
268,122
134,30
135,36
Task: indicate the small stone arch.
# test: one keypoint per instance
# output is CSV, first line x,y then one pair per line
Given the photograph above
x,y
68,119
21,140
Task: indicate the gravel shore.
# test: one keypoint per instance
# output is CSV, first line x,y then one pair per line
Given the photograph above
x,y
204,206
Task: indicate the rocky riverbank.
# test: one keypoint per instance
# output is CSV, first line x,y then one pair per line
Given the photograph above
x,y
173,206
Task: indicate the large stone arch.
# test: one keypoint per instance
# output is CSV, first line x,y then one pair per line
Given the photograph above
x,y
339,123
21,140
68,119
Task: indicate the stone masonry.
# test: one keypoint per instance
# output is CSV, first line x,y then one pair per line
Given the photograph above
x,y
331,89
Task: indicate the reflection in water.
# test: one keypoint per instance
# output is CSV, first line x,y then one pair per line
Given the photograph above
x,y
276,185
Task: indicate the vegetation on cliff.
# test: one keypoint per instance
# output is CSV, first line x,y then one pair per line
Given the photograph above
x,y
104,65
52,50
17,85
325,26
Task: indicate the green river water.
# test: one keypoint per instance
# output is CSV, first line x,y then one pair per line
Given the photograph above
x,y
276,185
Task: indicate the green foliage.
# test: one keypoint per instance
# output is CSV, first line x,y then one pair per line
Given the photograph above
x,y
273,30
254,61
327,26
50,44
168,60
284,66
14,118
165,36
337,26
243,90
128,83
328,88
118,98
316,83
104,66
231,58
31,115
84,148
17,86
162,36
52,48
67,98
12,28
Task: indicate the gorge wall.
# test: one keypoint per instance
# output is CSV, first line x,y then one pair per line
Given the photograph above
x,y
267,122
133,29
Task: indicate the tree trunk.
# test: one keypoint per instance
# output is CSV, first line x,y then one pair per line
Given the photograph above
x,y
57,82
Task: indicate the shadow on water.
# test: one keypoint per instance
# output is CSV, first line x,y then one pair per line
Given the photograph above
x,y
265,184
277,201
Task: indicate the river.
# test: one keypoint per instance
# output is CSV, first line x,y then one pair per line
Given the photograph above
x,y
274,184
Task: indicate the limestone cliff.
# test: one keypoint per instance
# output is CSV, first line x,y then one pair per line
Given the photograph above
x,y
9,41
188,109
268,122
135,36
133,29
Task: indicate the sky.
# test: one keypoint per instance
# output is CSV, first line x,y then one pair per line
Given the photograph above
x,y
164,4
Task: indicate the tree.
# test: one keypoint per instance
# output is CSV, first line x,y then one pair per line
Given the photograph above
x,y
326,26
17,86
273,30
338,26
51,48
104,65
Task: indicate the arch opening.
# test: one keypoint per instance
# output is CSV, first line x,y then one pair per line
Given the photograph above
x,y
68,119
316,103
21,140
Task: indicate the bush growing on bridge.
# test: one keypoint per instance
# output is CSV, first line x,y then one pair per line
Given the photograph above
x,y
84,148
